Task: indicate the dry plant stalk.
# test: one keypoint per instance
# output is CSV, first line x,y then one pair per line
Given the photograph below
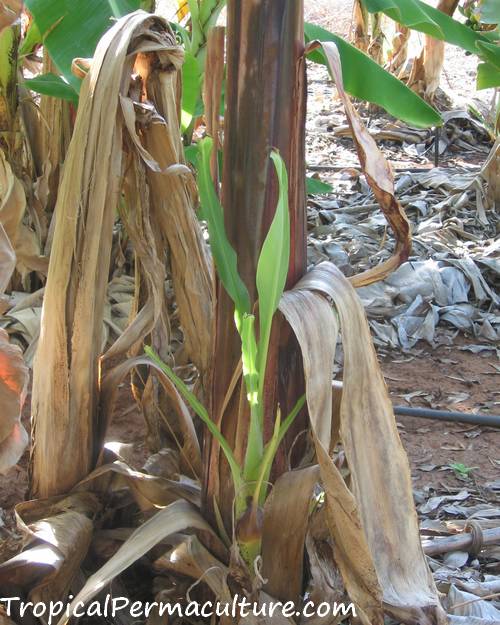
x,y
212,92
491,173
359,26
427,67
55,135
116,114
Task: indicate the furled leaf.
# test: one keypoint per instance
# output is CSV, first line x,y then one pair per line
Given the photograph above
x,y
53,85
222,251
72,29
253,455
365,79
272,267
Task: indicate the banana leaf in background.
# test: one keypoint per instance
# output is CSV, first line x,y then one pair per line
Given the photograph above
x,y
366,80
418,15
71,30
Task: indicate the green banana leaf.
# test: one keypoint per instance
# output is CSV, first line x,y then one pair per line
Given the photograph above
x,y
72,28
420,16
488,76
53,85
365,79
317,187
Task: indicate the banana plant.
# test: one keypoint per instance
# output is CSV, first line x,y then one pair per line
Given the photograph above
x,y
419,16
203,14
70,30
251,477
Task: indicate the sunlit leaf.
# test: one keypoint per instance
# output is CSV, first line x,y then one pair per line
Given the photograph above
x,y
420,16
222,251
72,29
52,85
272,267
317,187
488,76
365,79
30,40
253,456
191,89
490,52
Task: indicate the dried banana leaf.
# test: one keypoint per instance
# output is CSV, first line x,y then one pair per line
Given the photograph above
x,y
380,474
60,530
7,260
12,210
378,174
104,150
13,375
10,10
176,517
149,491
286,520
189,446
307,311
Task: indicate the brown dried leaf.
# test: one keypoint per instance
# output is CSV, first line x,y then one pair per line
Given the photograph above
x,y
67,369
307,311
190,451
176,517
7,260
380,474
150,491
378,175
285,525
61,530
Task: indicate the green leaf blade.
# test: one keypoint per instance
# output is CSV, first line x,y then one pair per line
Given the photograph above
x,y
317,187
52,85
223,253
272,267
420,16
365,79
201,411
71,29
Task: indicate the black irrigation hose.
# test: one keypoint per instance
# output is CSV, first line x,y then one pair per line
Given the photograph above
x,y
492,421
